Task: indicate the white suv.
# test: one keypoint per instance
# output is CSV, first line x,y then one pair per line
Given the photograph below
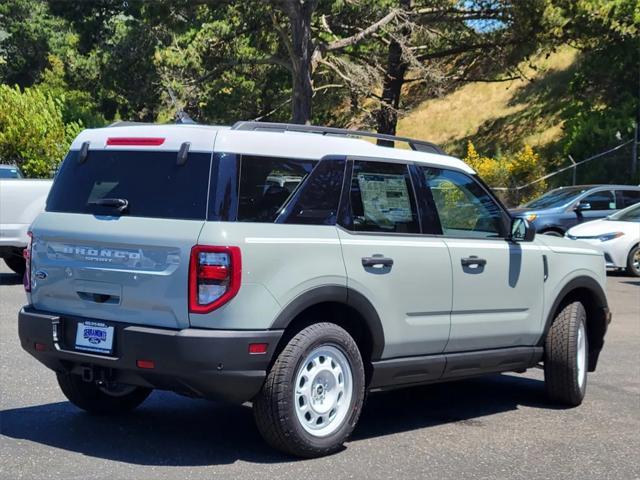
x,y
295,267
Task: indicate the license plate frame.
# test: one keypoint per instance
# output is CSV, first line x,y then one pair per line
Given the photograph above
x,y
94,337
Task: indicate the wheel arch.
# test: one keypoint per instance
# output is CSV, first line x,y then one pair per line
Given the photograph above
x,y
338,304
588,291
545,230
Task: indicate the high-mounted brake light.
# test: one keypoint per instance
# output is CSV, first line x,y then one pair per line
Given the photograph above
x,y
27,254
135,141
214,277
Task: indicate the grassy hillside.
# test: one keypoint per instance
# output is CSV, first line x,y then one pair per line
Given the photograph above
x,y
500,117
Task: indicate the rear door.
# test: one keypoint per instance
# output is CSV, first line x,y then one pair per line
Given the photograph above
x,y
115,240
625,198
497,284
405,275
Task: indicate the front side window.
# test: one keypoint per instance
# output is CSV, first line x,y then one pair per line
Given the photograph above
x,y
600,201
464,208
382,198
266,185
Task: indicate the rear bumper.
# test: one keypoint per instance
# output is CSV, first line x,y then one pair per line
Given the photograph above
x,y
212,364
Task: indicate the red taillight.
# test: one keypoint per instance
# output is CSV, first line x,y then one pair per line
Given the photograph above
x,y
40,347
27,254
135,141
214,277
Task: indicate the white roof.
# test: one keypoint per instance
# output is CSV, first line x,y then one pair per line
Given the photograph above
x,y
269,143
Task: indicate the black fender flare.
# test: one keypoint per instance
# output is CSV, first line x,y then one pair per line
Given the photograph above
x,y
337,294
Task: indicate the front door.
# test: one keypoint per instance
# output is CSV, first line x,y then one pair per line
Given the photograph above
x,y
405,275
596,205
497,293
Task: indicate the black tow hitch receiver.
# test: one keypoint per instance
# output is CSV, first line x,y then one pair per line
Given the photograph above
x,y
99,375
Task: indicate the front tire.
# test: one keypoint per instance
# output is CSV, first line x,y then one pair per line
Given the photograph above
x,y
312,397
566,356
633,261
101,400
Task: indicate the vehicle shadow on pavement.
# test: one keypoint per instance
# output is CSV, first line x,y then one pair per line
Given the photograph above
x,y
171,430
465,402
10,279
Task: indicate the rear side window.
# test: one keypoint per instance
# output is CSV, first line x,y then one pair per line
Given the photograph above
x,y
267,184
151,183
382,198
626,198
316,201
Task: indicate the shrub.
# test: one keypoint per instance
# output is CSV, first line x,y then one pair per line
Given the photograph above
x,y
33,134
510,172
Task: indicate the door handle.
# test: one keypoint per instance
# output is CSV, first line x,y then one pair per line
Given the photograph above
x,y
473,260
377,259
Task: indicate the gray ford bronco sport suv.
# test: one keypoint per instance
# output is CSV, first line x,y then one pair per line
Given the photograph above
x,y
168,257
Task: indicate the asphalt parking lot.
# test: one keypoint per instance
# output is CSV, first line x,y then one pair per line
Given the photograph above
x,y
498,427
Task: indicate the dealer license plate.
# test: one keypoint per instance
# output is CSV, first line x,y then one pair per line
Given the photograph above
x,y
94,337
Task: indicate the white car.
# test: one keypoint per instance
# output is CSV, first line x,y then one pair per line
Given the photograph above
x,y
21,201
618,235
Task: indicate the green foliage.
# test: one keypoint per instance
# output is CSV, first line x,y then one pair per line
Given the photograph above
x,y
32,131
605,91
105,60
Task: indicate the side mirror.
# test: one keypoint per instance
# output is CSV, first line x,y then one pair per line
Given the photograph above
x,y
521,230
582,206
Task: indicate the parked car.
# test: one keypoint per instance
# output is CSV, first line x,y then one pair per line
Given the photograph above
x,y
162,262
10,171
558,210
21,200
618,235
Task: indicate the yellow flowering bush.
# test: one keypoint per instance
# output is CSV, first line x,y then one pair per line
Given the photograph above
x,y
510,172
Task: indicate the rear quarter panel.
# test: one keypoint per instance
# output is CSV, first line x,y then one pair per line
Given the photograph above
x,y
279,263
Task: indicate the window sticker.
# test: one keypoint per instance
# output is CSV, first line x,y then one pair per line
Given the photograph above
x,y
385,195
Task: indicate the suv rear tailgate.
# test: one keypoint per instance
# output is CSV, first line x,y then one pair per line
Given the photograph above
x,y
124,269
115,240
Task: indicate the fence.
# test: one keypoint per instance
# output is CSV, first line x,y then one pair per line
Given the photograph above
x,y
515,193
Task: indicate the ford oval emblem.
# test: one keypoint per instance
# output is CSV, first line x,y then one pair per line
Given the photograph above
x,y
40,275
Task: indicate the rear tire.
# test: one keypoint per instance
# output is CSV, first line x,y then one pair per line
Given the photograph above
x,y
566,356
633,261
312,397
16,263
552,233
99,400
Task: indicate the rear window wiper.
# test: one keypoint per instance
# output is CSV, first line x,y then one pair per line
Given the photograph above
x,y
120,204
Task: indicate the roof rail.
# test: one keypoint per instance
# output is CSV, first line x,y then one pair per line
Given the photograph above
x,y
417,145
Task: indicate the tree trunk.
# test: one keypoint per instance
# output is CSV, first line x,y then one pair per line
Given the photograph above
x,y
387,114
300,13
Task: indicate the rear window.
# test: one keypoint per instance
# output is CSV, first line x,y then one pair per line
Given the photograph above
x,y
151,183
